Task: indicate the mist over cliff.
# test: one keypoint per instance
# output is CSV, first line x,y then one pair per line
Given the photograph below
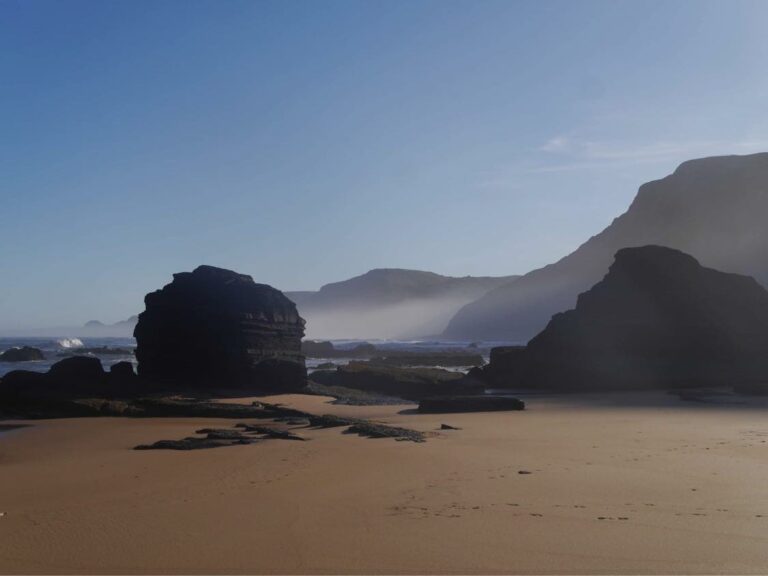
x,y
712,208
389,303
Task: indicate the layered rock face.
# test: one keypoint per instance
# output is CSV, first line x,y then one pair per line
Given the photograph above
x,y
711,208
657,320
215,328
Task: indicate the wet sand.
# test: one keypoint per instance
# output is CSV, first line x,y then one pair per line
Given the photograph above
x,y
647,484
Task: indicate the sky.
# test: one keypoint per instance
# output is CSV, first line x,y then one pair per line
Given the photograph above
x,y
308,142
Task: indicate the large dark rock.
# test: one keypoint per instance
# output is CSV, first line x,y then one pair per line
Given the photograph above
x,y
81,369
657,320
215,329
23,354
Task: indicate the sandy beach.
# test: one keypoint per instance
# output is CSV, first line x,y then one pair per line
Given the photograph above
x,y
646,484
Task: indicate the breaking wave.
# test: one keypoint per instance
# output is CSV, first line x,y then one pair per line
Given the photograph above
x,y
70,343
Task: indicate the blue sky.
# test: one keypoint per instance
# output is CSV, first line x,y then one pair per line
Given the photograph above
x,y
307,142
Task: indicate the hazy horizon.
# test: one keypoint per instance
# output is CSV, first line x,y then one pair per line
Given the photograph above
x,y
307,143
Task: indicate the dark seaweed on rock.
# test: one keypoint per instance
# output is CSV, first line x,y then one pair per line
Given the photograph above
x,y
375,430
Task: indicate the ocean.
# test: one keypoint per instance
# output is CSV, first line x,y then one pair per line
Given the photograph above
x,y
58,348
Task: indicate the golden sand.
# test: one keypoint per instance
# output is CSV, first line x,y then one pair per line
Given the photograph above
x,y
648,485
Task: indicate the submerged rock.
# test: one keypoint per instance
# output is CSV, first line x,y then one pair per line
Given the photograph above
x,y
23,354
214,328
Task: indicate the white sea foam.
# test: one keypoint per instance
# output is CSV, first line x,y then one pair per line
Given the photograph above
x,y
70,343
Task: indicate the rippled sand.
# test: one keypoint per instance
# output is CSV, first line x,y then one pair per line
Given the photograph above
x,y
644,484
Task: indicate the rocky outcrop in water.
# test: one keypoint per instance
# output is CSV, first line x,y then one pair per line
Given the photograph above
x,y
657,320
326,349
23,354
216,329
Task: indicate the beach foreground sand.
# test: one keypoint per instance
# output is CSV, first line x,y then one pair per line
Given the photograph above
x,y
646,484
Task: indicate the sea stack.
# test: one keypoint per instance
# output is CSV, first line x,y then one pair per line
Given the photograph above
x,y
216,329
657,320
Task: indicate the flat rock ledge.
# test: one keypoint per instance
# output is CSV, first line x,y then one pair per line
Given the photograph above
x,y
445,404
218,437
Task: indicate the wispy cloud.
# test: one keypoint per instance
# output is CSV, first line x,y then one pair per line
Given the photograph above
x,y
556,144
563,153
572,154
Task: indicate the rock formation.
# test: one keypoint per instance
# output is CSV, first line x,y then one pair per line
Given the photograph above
x,y
657,320
408,383
96,328
69,379
216,329
712,208
23,354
